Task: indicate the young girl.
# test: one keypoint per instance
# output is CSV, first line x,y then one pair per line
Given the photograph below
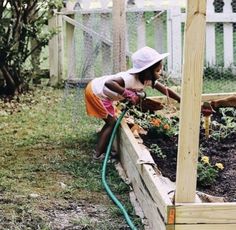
x,y
101,92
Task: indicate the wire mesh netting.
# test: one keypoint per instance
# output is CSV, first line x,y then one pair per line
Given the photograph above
x,y
158,26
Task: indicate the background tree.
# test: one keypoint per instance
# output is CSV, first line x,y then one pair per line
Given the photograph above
x,y
22,21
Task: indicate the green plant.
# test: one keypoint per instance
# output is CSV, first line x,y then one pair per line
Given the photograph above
x,y
218,73
154,148
228,126
161,125
206,172
22,35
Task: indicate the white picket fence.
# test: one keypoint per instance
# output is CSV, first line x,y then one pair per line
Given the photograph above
x,y
166,37
227,17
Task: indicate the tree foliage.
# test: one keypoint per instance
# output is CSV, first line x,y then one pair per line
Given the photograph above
x,y
22,21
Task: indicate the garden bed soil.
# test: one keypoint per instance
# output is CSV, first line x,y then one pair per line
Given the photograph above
x,y
222,150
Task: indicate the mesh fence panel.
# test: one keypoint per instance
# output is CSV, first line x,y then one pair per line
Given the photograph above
x,y
148,23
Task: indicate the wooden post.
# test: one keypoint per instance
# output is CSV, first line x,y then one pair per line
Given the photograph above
x,y
106,49
88,48
70,49
188,144
53,53
56,51
119,28
61,74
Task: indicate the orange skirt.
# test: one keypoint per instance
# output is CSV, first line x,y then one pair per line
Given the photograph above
x,y
94,106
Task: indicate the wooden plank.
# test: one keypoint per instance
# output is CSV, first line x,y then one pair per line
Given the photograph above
x,y
154,182
53,53
204,227
216,17
119,31
149,206
70,49
209,97
106,49
88,47
190,106
207,213
61,75
205,97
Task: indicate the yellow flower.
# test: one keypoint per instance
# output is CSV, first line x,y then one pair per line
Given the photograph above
x,y
219,166
205,160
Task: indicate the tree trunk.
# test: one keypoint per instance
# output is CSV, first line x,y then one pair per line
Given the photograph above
x,y
10,86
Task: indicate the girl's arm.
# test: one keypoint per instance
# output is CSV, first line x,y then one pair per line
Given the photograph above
x,y
166,91
116,85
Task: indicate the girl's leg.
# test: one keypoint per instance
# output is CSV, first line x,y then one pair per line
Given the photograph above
x,y
104,135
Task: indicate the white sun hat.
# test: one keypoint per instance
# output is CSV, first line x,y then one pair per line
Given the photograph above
x,y
144,58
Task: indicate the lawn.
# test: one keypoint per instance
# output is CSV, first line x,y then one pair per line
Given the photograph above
x,y
48,179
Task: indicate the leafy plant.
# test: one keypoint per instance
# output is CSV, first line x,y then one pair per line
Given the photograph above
x,y
154,148
161,125
218,73
206,172
22,34
225,128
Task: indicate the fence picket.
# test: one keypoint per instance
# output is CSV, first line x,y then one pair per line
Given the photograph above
x,y
210,37
174,41
159,34
228,37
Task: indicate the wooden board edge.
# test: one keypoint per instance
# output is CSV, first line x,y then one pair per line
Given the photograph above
x,y
202,227
207,213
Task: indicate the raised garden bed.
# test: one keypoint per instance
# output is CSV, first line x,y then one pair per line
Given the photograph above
x,y
155,192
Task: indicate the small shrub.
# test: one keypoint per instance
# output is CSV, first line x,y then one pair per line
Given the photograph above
x,y
218,73
206,172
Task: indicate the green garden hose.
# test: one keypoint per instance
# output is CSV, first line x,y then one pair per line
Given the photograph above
x,y
104,166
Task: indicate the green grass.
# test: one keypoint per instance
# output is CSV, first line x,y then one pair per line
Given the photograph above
x,y
46,149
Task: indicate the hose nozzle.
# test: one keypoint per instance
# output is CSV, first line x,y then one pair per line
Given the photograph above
x,y
142,94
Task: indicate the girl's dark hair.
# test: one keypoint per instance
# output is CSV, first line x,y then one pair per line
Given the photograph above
x,y
149,73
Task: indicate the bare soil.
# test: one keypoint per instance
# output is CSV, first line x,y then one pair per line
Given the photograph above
x,y
222,150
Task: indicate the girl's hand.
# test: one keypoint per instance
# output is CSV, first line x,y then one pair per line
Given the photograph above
x,y
131,96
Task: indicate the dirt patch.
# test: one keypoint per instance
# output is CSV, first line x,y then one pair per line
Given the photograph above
x,y
220,147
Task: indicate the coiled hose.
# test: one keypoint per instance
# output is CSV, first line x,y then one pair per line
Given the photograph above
x,y
104,167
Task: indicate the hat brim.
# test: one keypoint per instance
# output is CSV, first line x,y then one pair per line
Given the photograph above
x,y
136,70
